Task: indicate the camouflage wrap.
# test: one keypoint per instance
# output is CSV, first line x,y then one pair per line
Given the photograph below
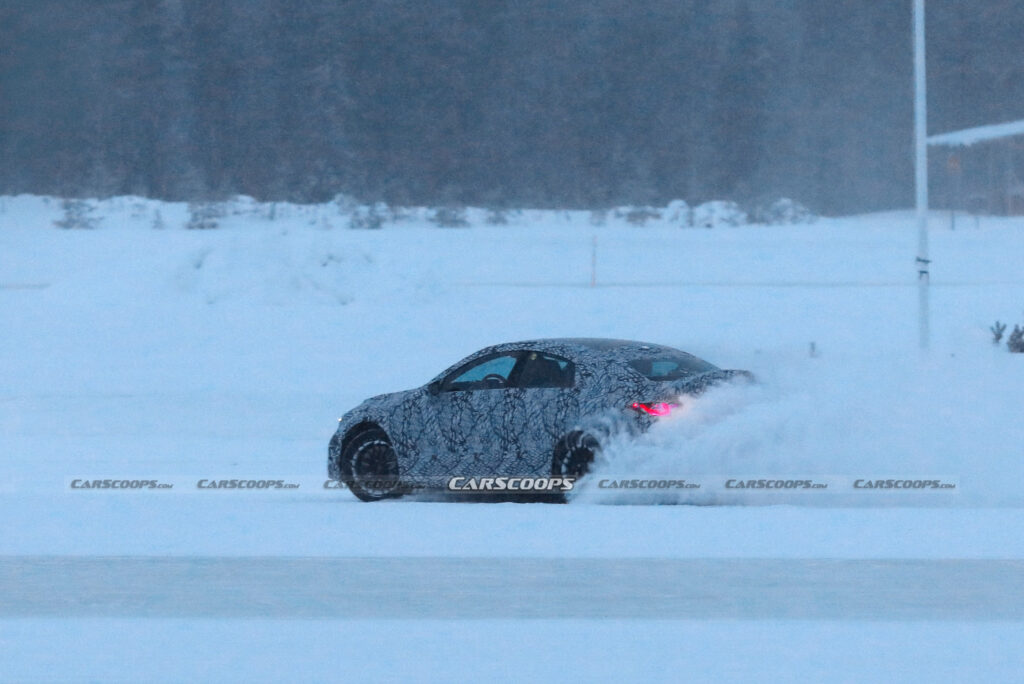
x,y
513,431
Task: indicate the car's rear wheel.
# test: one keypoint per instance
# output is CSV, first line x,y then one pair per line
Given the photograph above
x,y
574,455
369,466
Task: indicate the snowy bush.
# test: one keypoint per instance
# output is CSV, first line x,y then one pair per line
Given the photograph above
x,y
638,216
783,211
449,217
367,217
497,217
1016,341
997,331
345,204
139,208
718,213
240,205
77,214
678,212
397,214
204,215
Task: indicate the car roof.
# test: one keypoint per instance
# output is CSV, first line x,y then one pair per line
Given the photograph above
x,y
586,350
586,344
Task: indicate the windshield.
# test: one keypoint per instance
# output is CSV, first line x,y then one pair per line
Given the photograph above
x,y
670,367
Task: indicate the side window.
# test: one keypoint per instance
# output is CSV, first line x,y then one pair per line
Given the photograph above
x,y
545,370
491,372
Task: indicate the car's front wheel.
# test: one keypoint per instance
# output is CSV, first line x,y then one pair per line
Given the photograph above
x,y
369,466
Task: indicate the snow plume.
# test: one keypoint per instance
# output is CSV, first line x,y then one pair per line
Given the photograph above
x,y
870,443
730,431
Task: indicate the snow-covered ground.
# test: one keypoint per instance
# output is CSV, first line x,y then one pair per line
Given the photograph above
x,y
514,651
130,352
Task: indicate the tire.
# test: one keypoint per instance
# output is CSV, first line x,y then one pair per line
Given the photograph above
x,y
574,455
369,466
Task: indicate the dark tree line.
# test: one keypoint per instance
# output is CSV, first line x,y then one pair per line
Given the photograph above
x,y
494,102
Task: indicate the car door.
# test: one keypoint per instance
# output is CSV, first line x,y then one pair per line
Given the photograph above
x,y
475,407
545,388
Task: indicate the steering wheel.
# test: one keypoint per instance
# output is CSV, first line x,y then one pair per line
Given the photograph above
x,y
495,379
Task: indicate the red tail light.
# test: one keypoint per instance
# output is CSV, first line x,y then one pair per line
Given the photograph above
x,y
660,408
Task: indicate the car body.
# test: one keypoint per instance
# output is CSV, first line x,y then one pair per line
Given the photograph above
x,y
520,409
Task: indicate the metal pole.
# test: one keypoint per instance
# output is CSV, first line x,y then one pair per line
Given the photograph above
x,y
921,172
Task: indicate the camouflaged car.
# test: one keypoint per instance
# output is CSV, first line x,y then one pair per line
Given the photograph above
x,y
536,410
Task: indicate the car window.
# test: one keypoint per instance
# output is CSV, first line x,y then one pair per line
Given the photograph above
x,y
670,367
545,370
491,372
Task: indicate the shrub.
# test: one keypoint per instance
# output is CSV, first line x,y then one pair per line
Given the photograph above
x,y
204,215
449,217
783,211
997,331
1016,341
345,204
638,216
366,217
718,213
497,217
679,212
77,215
